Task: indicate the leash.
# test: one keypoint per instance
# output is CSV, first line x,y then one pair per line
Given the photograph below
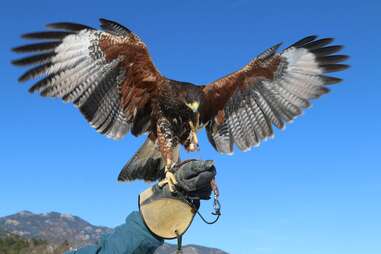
x,y
216,204
216,213
216,208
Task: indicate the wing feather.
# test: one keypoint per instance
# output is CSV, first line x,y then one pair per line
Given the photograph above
x,y
46,35
43,46
273,89
108,74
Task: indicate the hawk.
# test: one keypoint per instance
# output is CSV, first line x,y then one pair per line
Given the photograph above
x,y
109,75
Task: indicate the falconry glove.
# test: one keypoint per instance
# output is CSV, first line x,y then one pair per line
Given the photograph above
x,y
169,214
194,177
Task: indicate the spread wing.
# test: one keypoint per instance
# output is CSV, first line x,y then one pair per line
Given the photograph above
x,y
273,89
107,74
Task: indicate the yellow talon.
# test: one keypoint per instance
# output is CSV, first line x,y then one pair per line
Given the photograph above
x,y
169,179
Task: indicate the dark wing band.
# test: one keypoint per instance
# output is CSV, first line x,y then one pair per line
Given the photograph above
x,y
271,90
107,74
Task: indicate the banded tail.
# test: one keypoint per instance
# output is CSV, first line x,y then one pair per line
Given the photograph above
x,y
147,164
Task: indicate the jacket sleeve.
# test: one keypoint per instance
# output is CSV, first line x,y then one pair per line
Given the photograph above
x,y
132,237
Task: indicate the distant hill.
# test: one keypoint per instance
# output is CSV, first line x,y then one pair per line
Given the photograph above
x,y
53,227
27,232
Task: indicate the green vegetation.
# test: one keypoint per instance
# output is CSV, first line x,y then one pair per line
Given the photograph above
x,y
13,244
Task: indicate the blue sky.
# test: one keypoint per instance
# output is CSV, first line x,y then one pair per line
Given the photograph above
x,y
314,189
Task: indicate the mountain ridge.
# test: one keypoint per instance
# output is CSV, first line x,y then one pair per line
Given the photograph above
x,y
59,229
53,227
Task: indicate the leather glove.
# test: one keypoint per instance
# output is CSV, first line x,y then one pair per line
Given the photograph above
x,y
194,177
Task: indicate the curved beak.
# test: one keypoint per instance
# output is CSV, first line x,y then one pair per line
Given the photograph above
x,y
194,105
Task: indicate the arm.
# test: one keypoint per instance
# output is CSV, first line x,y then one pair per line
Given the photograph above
x,y
132,237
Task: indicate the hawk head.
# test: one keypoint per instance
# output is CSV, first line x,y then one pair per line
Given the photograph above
x,y
191,98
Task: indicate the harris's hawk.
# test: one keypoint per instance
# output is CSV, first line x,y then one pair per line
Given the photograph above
x,y
109,75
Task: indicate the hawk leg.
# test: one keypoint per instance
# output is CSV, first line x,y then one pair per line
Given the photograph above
x,y
168,145
191,143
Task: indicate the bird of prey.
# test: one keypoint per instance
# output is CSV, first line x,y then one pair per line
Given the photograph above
x,y
109,75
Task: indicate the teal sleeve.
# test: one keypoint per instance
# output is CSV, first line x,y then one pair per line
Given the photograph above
x,y
131,237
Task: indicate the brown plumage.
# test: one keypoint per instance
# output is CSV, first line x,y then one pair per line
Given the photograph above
x,y
109,75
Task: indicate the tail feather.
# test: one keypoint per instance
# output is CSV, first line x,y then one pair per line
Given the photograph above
x,y
147,164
